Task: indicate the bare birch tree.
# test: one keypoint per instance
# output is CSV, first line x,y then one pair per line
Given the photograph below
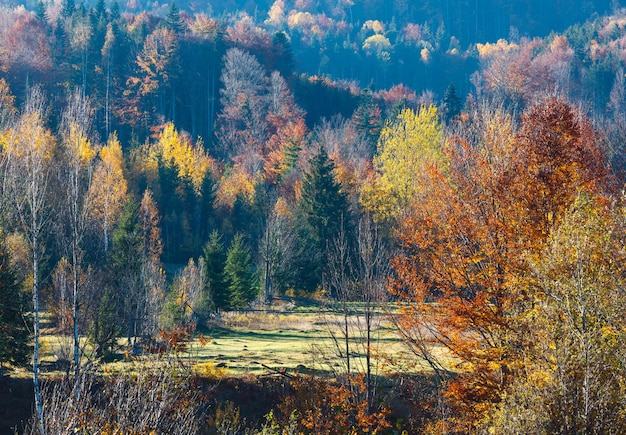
x,y
76,176
28,149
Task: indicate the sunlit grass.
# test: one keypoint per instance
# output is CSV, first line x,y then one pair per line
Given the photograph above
x,y
291,339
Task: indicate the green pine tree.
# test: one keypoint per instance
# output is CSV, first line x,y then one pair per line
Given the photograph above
x,y
115,11
125,266
451,103
239,274
214,261
40,12
69,7
173,21
282,54
322,213
14,334
106,326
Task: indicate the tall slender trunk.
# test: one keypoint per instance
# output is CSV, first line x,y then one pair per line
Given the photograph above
x,y
76,278
36,384
368,355
75,218
107,121
346,314
267,284
106,225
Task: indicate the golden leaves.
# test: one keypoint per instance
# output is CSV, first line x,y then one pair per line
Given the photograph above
x,y
108,190
406,147
471,221
191,160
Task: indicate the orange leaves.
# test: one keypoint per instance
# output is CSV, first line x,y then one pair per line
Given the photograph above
x,y
236,182
280,155
464,242
157,60
329,407
558,155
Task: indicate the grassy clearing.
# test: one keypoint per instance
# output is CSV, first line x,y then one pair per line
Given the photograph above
x,y
288,337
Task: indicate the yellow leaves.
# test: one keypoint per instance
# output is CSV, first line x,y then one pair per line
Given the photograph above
x,y
375,26
300,19
541,378
108,190
111,154
489,50
282,208
376,44
406,147
80,145
190,159
235,183
28,138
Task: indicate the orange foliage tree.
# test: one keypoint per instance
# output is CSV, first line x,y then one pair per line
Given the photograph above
x,y
493,199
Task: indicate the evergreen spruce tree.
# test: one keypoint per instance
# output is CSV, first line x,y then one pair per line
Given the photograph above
x,y
115,11
322,213
282,55
173,21
214,261
239,274
106,326
69,7
367,117
125,267
14,334
41,13
451,103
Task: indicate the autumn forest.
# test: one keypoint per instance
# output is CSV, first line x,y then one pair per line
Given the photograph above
x,y
452,171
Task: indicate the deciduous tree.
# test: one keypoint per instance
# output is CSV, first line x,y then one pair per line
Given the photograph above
x,y
406,147
76,177
493,198
573,378
28,150
108,192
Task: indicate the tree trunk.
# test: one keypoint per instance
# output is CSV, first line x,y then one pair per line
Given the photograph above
x,y
36,385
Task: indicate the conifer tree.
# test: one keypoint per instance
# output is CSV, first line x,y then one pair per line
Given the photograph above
x,y
69,7
41,13
214,260
451,103
14,335
322,213
173,20
125,258
239,274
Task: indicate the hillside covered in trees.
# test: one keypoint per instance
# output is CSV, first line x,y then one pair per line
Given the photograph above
x,y
459,164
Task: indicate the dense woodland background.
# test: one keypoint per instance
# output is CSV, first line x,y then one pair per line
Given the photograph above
x,y
162,163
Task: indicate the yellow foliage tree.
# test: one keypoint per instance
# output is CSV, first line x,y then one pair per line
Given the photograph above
x,y
376,44
28,148
109,190
190,160
236,182
574,378
406,147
